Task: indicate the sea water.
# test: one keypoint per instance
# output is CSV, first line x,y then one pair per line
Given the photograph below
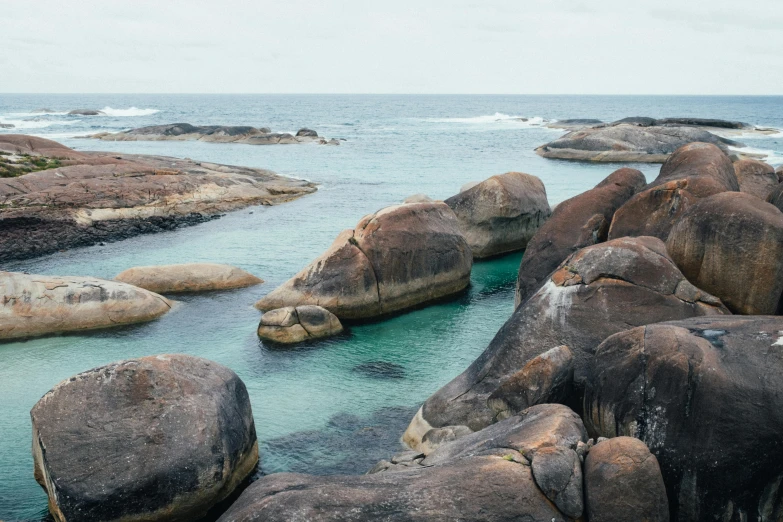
x,y
339,405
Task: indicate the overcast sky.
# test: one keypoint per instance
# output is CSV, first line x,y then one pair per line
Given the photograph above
x,y
399,46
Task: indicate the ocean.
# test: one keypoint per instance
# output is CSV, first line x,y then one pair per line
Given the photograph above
x,y
339,405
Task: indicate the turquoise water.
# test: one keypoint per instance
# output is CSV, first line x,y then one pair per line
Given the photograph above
x,y
396,146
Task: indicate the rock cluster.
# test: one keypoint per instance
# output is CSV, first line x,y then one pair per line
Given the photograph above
x,y
214,134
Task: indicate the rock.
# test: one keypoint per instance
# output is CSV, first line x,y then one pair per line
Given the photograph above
x,y
469,185
296,324
191,277
210,133
598,291
574,123
7,125
436,437
623,483
779,172
575,223
306,132
695,171
397,258
34,305
502,213
158,438
418,198
85,112
488,480
704,395
755,177
84,198
381,370
776,197
632,139
729,245
558,473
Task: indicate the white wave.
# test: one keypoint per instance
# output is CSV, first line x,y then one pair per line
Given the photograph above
x,y
34,123
772,157
498,117
133,111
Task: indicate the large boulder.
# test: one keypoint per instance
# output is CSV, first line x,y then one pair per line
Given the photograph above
x,y
755,177
575,223
394,259
731,245
160,438
191,277
294,324
706,396
776,197
694,171
623,483
34,305
598,291
520,469
502,213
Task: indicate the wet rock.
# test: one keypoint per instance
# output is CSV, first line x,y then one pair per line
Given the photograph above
x,y
502,213
381,370
306,132
85,112
729,245
35,305
598,291
191,277
755,177
693,172
157,438
397,258
575,223
704,395
623,483
296,324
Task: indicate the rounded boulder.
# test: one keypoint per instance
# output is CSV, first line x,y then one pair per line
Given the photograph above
x,y
191,277
294,324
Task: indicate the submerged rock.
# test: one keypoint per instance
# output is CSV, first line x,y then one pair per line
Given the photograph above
x,y
397,258
502,213
160,438
191,277
296,324
575,223
381,370
35,305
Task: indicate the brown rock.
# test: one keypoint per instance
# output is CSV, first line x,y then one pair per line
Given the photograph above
x,y
192,277
729,245
575,223
776,197
623,483
296,324
755,177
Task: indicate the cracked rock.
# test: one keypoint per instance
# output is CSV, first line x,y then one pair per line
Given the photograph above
x,y
296,324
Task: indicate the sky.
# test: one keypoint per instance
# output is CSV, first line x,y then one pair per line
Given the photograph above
x,y
336,46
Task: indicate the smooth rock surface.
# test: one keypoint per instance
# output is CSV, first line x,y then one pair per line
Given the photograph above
x,y
502,213
755,177
35,305
296,324
191,277
731,245
401,256
575,223
160,438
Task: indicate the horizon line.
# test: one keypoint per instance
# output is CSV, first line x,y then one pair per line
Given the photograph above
x,y
378,94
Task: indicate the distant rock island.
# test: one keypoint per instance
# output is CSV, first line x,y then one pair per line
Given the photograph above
x,y
215,134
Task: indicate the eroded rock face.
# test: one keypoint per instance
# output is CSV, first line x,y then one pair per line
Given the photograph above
x,y
502,213
484,477
755,177
730,245
623,483
190,277
575,223
598,291
704,394
694,171
160,438
34,305
399,257
296,324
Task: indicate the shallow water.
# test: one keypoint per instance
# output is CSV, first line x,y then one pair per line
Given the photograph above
x,y
317,408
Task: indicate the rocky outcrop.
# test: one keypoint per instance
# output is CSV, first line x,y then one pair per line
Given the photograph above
x,y
210,133
502,213
397,258
704,395
191,277
35,305
83,198
755,177
160,438
524,468
296,324
730,245
635,139
623,483
575,223
86,112
695,171
598,291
